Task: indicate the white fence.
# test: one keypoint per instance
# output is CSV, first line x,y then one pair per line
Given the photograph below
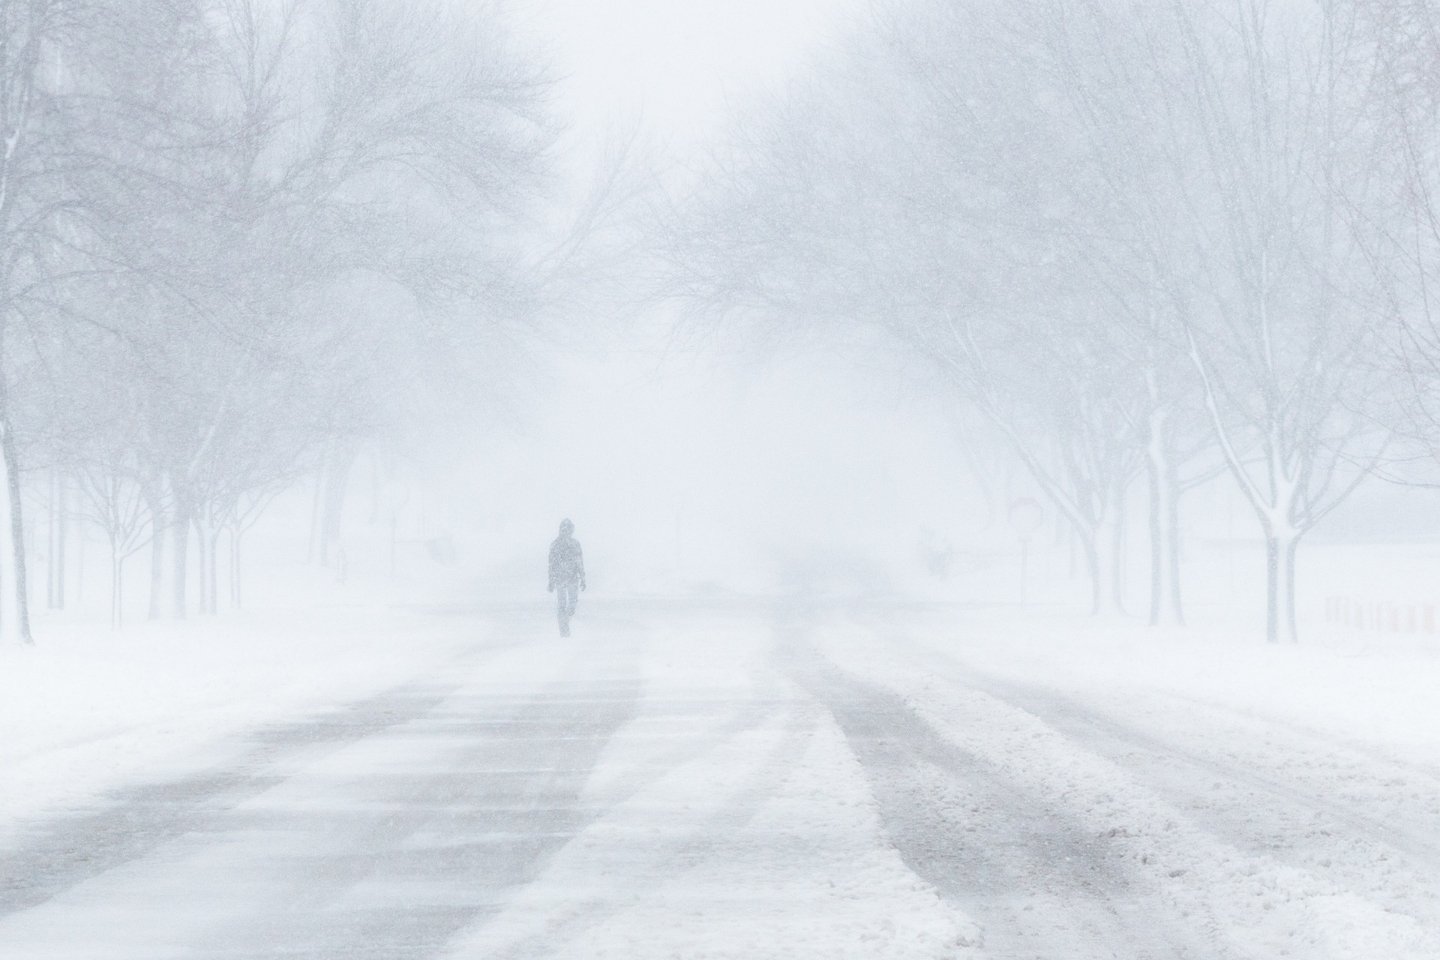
x,y
1381,616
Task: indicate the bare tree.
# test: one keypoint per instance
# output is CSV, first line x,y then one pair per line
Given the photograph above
x,y
900,193
352,144
1403,230
32,32
1277,310
187,191
63,120
1179,279
116,504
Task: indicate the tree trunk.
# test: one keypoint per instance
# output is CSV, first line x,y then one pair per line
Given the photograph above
x,y
159,526
1280,587
51,513
337,480
57,529
1072,563
80,568
1172,543
202,566
117,595
212,568
62,536
207,544
1164,494
1097,547
180,555
1158,535
1117,558
235,568
1092,567
14,606
1272,589
1287,587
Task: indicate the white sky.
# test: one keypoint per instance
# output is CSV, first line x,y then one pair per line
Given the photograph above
x,y
676,63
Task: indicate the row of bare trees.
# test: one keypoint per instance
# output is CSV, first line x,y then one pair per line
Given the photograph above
x,y
237,235
1163,241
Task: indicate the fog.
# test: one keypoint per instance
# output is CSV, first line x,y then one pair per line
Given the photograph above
x,y
915,479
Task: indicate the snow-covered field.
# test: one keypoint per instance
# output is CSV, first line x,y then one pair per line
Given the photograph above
x,y
724,780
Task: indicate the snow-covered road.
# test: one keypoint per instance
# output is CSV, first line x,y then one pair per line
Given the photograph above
x,y
677,781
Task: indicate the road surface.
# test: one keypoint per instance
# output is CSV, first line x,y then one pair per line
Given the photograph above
x,y
686,782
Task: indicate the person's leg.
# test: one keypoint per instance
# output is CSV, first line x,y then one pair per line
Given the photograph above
x,y
562,609
574,596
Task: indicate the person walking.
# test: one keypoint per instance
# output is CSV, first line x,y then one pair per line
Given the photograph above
x,y
567,574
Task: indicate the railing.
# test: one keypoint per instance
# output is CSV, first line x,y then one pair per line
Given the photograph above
x,y
1381,616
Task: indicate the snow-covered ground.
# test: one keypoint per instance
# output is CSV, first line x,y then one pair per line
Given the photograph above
x,y
88,708
1262,801
724,780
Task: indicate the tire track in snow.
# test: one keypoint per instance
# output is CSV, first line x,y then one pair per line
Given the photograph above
x,y
1118,739
445,847
455,795
1256,811
49,856
666,861
662,862
1414,834
1389,858
1036,879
